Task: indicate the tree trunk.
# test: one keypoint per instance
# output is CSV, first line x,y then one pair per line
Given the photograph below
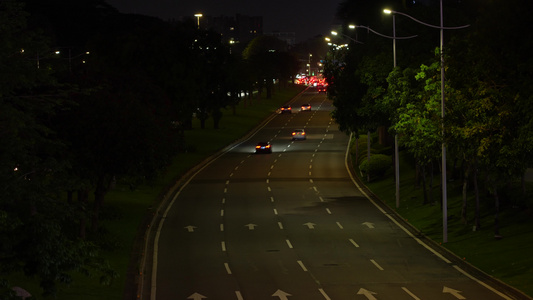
x,y
99,194
423,171
496,214
466,176
368,140
83,199
477,221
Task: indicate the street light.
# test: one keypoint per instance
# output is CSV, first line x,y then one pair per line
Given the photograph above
x,y
396,152
444,188
198,16
346,36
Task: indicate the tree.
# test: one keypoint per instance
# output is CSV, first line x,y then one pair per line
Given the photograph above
x,y
35,222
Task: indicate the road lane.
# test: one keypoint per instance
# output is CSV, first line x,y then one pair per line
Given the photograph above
x,y
292,225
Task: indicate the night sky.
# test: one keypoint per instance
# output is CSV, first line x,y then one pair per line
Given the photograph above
x,y
307,18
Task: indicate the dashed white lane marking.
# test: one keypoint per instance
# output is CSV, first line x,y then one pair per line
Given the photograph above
x,y
302,265
228,270
340,226
221,212
354,243
410,293
377,265
280,225
324,294
223,244
239,296
289,244
275,211
221,227
328,211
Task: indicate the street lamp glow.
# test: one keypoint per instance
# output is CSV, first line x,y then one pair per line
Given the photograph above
x,y
334,32
387,11
198,16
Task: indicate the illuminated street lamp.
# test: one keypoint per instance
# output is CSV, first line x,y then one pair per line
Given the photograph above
x,y
198,16
444,188
396,152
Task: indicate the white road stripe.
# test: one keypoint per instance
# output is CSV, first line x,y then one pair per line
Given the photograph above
x,y
289,243
223,244
410,294
324,294
354,243
280,225
239,296
340,226
302,265
226,265
376,264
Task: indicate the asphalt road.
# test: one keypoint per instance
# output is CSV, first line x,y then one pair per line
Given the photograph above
x,y
294,225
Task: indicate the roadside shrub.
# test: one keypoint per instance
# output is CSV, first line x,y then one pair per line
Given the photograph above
x,y
377,166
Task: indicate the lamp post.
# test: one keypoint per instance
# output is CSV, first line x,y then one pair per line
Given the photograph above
x,y
443,179
198,16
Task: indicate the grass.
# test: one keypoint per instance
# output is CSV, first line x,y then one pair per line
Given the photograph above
x,y
508,259
125,210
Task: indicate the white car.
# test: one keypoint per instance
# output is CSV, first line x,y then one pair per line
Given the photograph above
x,y
298,134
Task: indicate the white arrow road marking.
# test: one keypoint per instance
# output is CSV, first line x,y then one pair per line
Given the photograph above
x,y
281,294
190,228
196,296
310,225
455,293
369,225
251,226
368,294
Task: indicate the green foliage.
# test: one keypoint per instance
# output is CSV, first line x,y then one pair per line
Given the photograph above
x,y
376,166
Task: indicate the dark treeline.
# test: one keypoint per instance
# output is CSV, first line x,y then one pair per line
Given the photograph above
x,y
488,102
89,98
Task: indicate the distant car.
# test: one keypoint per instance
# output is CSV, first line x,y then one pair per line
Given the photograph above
x,y
305,107
321,88
298,134
263,147
285,109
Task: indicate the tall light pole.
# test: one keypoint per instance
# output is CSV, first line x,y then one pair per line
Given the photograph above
x,y
443,179
198,16
396,152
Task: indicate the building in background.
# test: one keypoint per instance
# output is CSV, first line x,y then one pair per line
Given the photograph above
x,y
237,31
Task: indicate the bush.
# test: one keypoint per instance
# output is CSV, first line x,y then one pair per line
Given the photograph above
x,y
377,166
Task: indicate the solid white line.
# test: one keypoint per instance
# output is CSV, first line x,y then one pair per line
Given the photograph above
x,y
410,294
239,296
302,265
324,294
376,264
388,215
289,243
226,265
482,283
340,226
354,243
